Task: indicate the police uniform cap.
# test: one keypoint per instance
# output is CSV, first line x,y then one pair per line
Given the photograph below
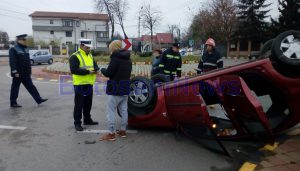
x,y
21,36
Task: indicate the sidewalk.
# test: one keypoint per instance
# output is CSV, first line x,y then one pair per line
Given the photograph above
x,y
283,156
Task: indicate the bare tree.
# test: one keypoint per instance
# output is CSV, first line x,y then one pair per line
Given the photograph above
x,y
120,7
107,7
150,19
225,13
217,20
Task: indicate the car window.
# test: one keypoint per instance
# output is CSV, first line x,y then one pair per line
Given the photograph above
x,y
44,53
38,53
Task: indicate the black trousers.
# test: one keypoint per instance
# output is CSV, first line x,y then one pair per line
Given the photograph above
x,y
83,103
15,87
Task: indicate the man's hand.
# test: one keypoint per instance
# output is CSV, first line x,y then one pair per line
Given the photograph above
x,y
93,72
17,75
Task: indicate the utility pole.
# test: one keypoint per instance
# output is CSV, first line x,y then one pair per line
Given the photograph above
x,y
139,29
139,26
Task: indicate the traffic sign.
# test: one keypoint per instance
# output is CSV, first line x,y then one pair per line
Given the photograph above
x,y
127,44
191,42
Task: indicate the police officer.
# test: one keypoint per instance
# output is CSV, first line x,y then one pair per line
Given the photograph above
x,y
171,62
211,58
83,69
19,61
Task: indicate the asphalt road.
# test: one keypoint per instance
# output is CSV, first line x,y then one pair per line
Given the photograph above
x,y
49,142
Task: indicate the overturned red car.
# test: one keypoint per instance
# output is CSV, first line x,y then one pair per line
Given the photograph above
x,y
261,97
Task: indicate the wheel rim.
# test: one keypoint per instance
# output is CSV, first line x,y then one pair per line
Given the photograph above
x,y
290,46
50,61
139,92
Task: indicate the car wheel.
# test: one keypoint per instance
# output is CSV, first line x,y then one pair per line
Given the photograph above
x,y
159,79
31,62
50,61
286,48
266,48
141,92
286,53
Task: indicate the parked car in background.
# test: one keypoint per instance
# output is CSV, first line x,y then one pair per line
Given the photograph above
x,y
183,52
40,56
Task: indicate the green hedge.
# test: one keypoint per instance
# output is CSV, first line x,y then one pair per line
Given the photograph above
x,y
136,58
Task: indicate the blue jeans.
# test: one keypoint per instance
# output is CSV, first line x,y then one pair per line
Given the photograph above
x,y
114,103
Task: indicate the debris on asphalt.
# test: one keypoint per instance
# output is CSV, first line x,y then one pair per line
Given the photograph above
x,y
90,142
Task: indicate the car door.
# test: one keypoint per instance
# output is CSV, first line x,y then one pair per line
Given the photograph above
x,y
37,57
44,57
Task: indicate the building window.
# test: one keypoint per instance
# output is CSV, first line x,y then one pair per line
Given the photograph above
x,y
82,34
68,43
68,33
77,24
51,21
51,32
102,34
67,23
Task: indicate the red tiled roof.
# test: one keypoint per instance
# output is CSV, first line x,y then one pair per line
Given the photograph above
x,y
164,38
82,16
147,38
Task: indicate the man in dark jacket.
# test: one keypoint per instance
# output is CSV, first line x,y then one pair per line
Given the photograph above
x,y
118,89
171,62
19,61
83,68
211,59
156,61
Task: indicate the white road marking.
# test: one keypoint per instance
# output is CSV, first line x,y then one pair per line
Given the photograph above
x,y
8,75
91,131
12,127
54,83
53,80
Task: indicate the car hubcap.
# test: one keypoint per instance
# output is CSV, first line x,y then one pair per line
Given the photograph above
x,y
290,46
138,92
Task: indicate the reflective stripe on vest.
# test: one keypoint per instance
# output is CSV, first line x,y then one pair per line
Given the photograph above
x,y
161,65
170,56
86,62
177,57
209,64
167,72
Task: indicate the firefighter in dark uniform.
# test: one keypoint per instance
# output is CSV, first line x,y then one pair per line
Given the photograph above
x,y
171,62
84,69
19,61
211,58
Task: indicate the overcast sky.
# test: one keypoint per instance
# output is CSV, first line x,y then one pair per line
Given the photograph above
x,y
14,17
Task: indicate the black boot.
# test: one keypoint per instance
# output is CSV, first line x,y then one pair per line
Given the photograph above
x,y
78,128
15,105
90,122
42,101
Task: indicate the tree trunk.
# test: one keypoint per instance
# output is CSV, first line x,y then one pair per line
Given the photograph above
x,y
112,30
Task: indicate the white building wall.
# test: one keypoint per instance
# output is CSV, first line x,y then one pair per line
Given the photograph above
x,y
89,27
46,22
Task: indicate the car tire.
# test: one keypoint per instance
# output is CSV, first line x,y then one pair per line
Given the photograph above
x,y
50,61
286,64
267,47
141,92
32,62
286,48
159,79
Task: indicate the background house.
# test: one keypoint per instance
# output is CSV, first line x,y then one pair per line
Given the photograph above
x,y
68,28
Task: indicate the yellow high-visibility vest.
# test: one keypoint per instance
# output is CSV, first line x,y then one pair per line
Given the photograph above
x,y
86,62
